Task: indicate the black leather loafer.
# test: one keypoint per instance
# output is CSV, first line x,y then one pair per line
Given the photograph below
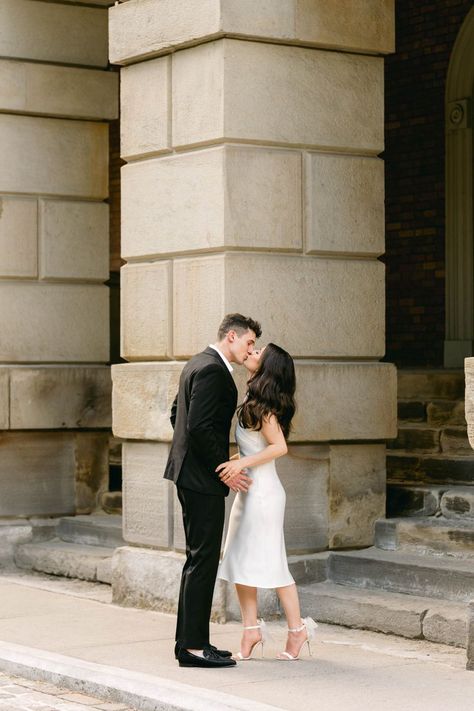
x,y
209,660
221,652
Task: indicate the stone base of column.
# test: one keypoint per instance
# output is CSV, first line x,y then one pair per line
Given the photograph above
x,y
150,579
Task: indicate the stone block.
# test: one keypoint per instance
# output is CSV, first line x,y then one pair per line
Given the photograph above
x,y
49,90
458,503
150,579
446,624
147,28
55,397
74,240
141,399
417,438
144,97
356,493
37,474
68,560
444,412
273,93
145,311
304,473
470,637
430,385
49,32
54,156
356,186
454,440
53,323
18,237
413,500
147,497
92,470
4,399
296,296
349,405
469,372
234,197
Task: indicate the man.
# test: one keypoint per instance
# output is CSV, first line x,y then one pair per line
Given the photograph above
x,y
201,417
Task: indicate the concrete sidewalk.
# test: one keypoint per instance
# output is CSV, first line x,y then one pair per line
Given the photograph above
x,y
69,633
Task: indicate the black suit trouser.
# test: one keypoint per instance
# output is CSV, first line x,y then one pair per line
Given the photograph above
x,y
203,520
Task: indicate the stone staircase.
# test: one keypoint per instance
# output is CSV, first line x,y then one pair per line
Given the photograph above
x,y
79,547
418,578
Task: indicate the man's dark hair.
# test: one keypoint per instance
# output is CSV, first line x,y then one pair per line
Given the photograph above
x,y
239,324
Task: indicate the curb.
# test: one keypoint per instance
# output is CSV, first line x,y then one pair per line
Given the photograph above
x,y
141,691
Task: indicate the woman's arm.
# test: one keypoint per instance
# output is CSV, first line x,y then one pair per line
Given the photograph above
x,y
271,430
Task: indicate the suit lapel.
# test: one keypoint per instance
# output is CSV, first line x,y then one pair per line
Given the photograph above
x,y
216,356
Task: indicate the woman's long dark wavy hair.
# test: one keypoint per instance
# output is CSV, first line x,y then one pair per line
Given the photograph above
x,y
271,391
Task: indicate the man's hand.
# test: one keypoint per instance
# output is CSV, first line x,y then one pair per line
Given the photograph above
x,y
241,482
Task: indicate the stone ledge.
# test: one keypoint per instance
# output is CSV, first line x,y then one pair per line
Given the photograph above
x,y
152,27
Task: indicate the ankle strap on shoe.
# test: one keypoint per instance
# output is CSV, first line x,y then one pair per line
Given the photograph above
x,y
253,627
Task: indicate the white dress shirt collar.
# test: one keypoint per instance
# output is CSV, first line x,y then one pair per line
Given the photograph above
x,y
227,364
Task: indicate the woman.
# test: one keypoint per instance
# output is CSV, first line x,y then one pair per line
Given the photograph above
x,y
254,553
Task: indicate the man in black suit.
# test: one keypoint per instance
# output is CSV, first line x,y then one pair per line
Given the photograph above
x,y
201,417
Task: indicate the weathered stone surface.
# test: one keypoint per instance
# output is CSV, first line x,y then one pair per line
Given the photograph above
x,y
51,473
54,156
74,240
397,571
14,532
141,29
4,399
150,579
53,322
417,438
356,493
50,90
58,558
412,411
147,497
439,470
50,32
454,440
290,291
470,637
428,385
53,397
145,311
469,371
375,610
18,237
446,624
225,197
279,94
348,400
426,535
413,500
356,185
92,530
458,503
144,96
444,412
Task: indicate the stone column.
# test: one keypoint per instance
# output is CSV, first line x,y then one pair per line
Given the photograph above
x,y
55,98
252,183
470,637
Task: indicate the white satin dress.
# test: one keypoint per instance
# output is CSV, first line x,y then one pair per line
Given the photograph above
x,y
254,552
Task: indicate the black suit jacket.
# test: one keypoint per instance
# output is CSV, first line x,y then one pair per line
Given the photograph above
x,y
201,417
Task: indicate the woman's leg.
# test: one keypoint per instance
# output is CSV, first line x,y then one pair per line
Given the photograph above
x,y
291,605
248,607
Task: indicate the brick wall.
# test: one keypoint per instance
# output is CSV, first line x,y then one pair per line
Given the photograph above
x,y
415,84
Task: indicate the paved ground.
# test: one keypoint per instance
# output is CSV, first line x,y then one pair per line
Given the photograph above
x,y
350,669
17,694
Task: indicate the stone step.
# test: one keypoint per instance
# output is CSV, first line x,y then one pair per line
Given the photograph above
x,y
413,437
458,503
397,571
427,385
405,500
66,559
409,468
392,613
92,530
426,535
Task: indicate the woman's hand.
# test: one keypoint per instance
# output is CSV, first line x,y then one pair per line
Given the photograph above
x,y
229,470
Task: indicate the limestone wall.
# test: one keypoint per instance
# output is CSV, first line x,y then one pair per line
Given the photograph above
x,y
56,97
252,183
469,371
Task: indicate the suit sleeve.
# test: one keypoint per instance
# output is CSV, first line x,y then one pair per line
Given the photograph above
x,y
174,407
205,398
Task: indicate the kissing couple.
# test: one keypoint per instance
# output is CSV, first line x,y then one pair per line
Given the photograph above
x,y
199,464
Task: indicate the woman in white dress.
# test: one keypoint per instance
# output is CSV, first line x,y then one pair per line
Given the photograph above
x,y
254,552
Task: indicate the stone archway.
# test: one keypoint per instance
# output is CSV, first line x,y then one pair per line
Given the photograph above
x,y
459,340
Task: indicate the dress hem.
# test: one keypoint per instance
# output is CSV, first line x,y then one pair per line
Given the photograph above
x,y
256,585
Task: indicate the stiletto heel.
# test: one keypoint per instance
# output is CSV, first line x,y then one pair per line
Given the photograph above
x,y
264,636
310,626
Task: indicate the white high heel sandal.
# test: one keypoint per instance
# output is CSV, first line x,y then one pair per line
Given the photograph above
x,y
265,636
310,625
